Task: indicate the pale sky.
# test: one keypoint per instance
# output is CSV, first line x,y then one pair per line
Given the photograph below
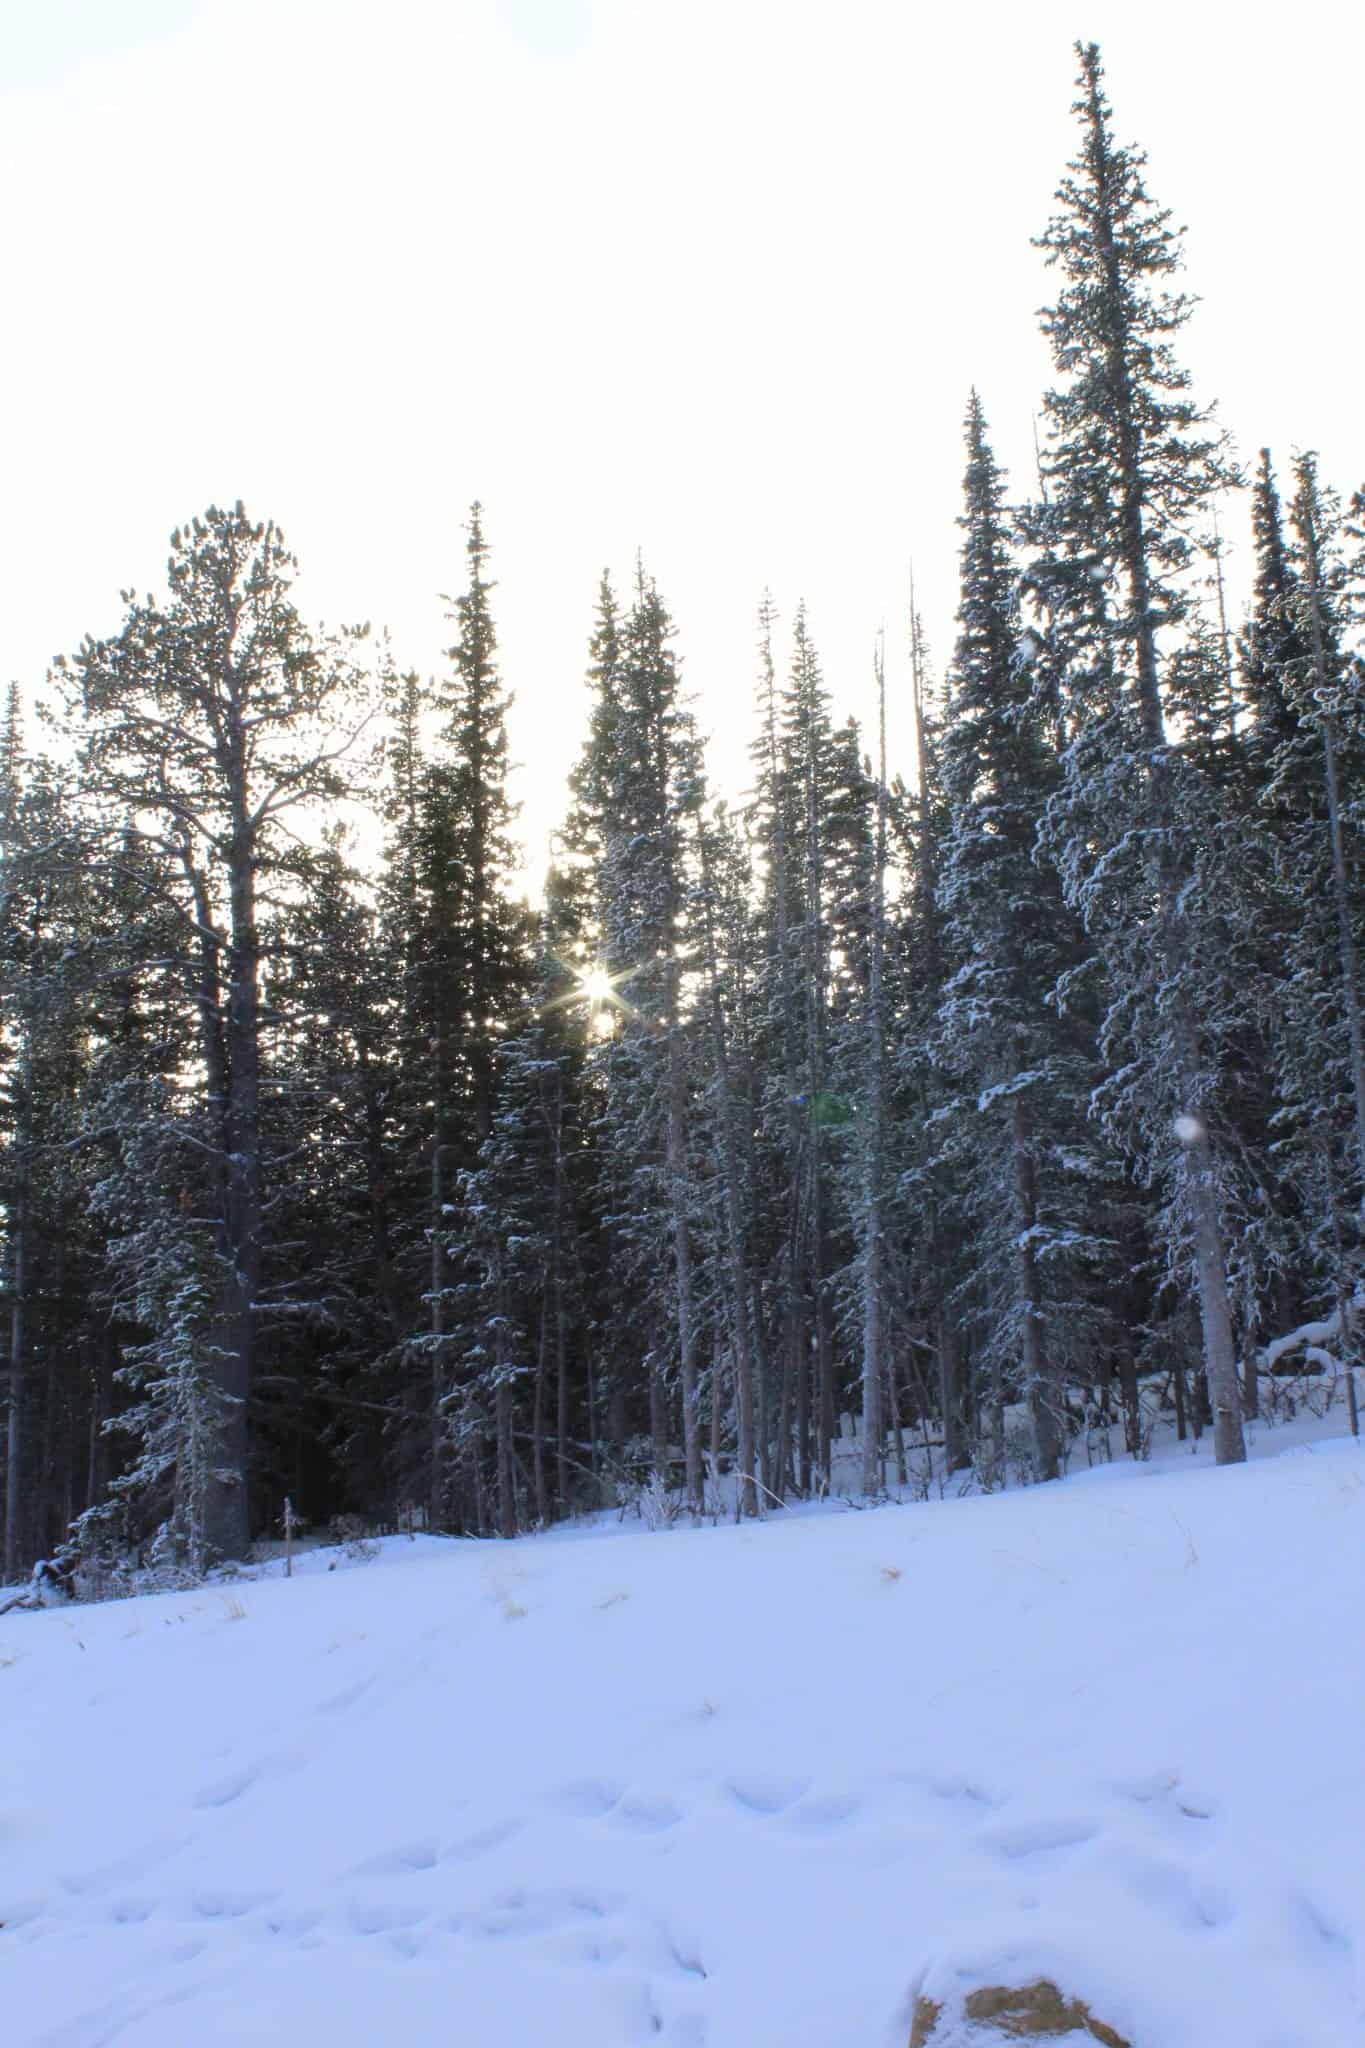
x,y
710,280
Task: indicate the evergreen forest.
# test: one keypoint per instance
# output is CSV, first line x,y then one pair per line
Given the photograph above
x,y
994,1100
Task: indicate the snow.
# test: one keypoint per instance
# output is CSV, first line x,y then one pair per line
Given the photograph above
x,y
715,1788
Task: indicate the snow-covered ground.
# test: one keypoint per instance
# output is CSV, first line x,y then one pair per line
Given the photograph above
x,y
722,1788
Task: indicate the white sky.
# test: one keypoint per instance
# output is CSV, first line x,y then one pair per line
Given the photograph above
x,y
709,279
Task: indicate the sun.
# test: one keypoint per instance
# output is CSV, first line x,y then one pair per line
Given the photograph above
x,y
596,991
596,986
600,995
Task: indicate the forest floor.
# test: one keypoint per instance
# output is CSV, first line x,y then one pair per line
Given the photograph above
x,y
723,1787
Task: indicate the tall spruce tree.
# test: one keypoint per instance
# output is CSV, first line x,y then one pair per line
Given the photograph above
x,y
1128,467
641,781
1020,1067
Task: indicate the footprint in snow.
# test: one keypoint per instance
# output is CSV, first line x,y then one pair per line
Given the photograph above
x,y
347,1697
422,1854
1164,1795
585,1798
1326,1931
381,1919
950,1789
17,1913
224,1905
234,1785
286,1923
1180,1897
1027,1841
645,1816
482,1841
823,1815
764,1794
521,1914
138,1863
131,1912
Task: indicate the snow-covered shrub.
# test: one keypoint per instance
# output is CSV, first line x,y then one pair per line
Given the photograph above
x,y
657,1507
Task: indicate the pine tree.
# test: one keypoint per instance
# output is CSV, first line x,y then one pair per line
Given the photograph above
x,y
206,720
1333,697
778,1182
808,749
937,1274
723,876
490,975
876,1363
1295,884
1018,1064
642,777
1129,466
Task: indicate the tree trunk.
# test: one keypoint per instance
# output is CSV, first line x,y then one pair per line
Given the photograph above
x,y
15,1555
561,1321
227,1520
732,1195
220,1515
436,1473
824,1339
893,1409
538,1418
955,1453
1043,1394
801,1368
658,1420
682,1254
874,1149
1220,1357
1132,1406
502,1403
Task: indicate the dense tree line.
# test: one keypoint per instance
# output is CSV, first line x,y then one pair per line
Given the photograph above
x,y
331,1171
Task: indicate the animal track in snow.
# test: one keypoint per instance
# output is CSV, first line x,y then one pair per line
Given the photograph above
x,y
286,1923
131,1912
1164,1797
224,1791
948,1789
138,1863
1028,1841
482,1841
824,1814
599,1948
17,1913
764,1793
234,1785
585,1798
223,1905
347,1697
422,1854
1324,1930
382,1919
645,1816
1179,1896
524,1912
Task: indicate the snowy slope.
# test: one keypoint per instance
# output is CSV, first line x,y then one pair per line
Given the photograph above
x,y
717,1789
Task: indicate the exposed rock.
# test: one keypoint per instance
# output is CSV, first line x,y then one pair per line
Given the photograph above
x,y
1026,2012
924,2022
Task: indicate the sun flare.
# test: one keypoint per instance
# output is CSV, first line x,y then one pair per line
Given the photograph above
x,y
596,986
